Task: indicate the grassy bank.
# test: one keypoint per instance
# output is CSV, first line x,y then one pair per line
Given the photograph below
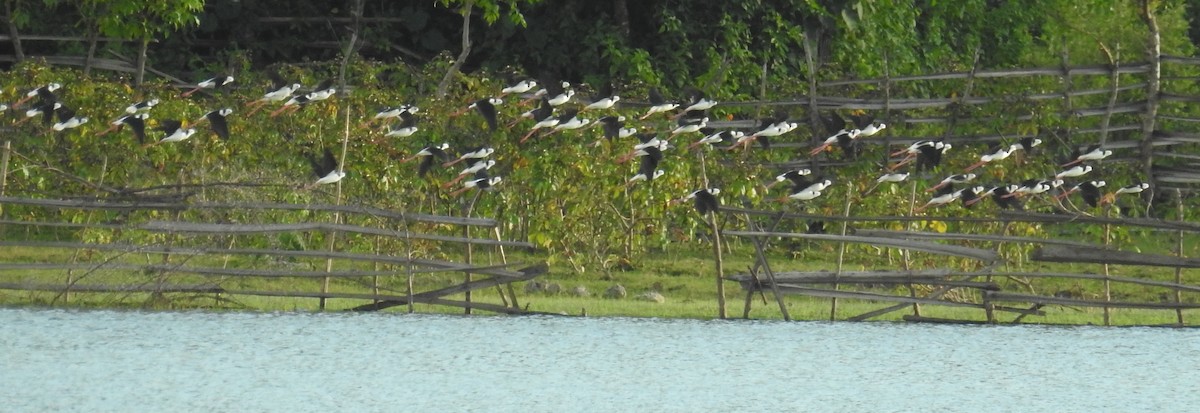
x,y
684,277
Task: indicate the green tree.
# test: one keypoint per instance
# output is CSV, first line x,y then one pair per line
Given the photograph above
x,y
491,12
143,20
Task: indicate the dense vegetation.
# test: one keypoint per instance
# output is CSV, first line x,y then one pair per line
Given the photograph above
x,y
560,193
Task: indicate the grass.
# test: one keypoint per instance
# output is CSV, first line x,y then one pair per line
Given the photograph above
x,y
684,275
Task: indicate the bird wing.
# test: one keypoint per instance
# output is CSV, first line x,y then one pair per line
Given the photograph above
x,y
219,125
329,162
277,81
324,85
46,97
139,127
656,98
427,163
64,113
488,111
317,168
407,120
544,111
862,120
169,125
706,202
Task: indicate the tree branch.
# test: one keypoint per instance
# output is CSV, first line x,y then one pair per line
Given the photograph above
x,y
466,50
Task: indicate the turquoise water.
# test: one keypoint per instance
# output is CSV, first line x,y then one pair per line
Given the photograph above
x,y
113,361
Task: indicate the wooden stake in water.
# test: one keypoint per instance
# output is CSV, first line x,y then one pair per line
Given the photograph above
x,y
337,215
1179,270
841,252
716,234
1107,286
4,167
467,235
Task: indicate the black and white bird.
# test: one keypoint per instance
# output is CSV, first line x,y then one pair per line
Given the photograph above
x,y
887,177
544,115
1089,191
943,196
613,127
866,125
996,154
390,113
280,91
430,156
141,107
705,200
717,137
796,176
689,126
482,182
327,169
699,102
67,119
560,95
569,120
408,127
603,100
486,108
217,119
474,167
843,138
45,95
211,83
323,91
45,110
174,130
953,179
1092,153
519,87
1074,172
1128,189
658,104
648,166
136,122
1002,195
477,152
801,194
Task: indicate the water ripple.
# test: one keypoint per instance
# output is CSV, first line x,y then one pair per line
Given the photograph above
x,y
102,361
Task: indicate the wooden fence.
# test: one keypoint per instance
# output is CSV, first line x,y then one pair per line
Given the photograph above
x,y
157,247
977,287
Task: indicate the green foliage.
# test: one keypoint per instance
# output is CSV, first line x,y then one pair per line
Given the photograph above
x,y
134,19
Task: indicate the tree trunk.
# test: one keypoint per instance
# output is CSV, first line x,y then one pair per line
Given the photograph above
x,y
350,47
621,11
12,32
1153,51
93,35
466,50
141,63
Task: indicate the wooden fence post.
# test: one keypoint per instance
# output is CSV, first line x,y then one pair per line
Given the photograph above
x,y
1180,254
4,158
841,251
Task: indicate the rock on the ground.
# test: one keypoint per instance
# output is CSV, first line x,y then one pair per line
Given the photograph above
x,y
616,291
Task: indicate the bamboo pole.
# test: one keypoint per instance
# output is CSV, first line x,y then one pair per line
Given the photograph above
x,y
841,253
4,158
904,253
337,215
512,292
75,255
411,265
718,260
1153,90
468,255
1107,286
1180,254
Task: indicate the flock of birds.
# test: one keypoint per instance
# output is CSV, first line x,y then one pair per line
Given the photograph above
x,y
553,112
